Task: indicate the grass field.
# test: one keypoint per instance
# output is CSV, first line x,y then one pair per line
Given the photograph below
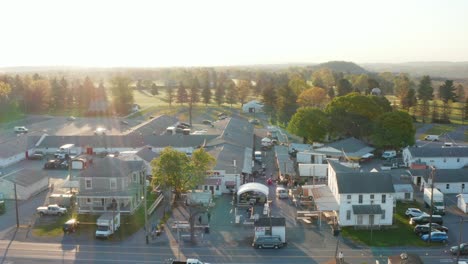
x,y
400,234
439,129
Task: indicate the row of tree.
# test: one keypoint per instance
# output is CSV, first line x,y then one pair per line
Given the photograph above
x,y
40,94
366,117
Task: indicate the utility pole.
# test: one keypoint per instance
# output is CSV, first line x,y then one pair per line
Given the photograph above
x,y
459,238
16,206
432,202
146,211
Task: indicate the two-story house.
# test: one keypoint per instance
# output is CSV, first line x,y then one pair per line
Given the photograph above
x,y
365,198
439,157
111,184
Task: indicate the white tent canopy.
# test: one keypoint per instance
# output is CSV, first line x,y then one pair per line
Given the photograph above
x,y
253,187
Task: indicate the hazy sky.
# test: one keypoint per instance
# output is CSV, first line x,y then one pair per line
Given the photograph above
x,y
230,32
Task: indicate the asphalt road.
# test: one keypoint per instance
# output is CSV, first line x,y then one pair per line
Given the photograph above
x,y
23,252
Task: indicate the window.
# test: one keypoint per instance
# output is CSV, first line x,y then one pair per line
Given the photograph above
x,y
445,160
382,216
134,177
88,200
113,183
360,198
217,187
384,198
458,159
372,197
348,197
463,186
206,188
348,214
447,186
88,183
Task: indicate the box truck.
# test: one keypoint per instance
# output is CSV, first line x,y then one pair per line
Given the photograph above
x,y
107,224
438,200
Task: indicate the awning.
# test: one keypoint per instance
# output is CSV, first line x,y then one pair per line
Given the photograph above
x,y
230,183
368,209
212,182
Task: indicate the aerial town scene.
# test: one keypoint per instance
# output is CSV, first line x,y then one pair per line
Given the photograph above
x,y
234,132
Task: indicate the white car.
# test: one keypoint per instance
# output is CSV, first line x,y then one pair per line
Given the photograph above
x,y
100,131
20,129
414,212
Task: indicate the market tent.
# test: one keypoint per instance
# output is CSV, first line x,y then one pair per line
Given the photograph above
x,y
252,187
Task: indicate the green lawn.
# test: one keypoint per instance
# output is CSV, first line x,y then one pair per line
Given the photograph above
x,y
400,234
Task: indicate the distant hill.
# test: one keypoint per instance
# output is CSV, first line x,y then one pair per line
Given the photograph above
x,y
341,66
443,69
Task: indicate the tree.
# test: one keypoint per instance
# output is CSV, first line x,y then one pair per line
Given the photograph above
x,y
447,91
424,110
193,96
182,96
243,91
353,114
344,87
5,91
311,124
206,95
56,95
371,84
38,96
269,100
297,84
409,100
460,93
314,97
394,130
331,93
425,90
361,82
465,111
402,86
219,94
101,93
174,169
122,94
232,93
286,104
154,89
169,95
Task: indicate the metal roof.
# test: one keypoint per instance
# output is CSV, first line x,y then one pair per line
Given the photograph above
x,y
112,167
438,152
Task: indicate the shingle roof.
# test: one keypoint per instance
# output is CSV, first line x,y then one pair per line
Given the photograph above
x,y
27,177
147,154
155,126
364,182
238,131
365,209
443,175
349,145
273,221
225,155
112,167
438,152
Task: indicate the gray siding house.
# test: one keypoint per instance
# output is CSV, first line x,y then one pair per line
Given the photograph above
x,y
111,184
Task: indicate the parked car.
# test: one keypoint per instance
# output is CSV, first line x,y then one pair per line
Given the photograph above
x,y
187,125
207,122
463,249
37,155
425,219
268,242
389,154
254,121
413,212
70,226
123,122
71,118
20,129
438,227
432,138
423,229
436,237
56,164
51,209
100,131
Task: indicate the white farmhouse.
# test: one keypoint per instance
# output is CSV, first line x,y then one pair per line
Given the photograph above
x,y
364,199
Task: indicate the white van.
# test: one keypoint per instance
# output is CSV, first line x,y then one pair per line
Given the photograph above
x,y
281,193
432,138
389,154
258,155
20,129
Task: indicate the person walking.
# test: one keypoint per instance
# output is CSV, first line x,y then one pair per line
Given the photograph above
x,y
341,257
